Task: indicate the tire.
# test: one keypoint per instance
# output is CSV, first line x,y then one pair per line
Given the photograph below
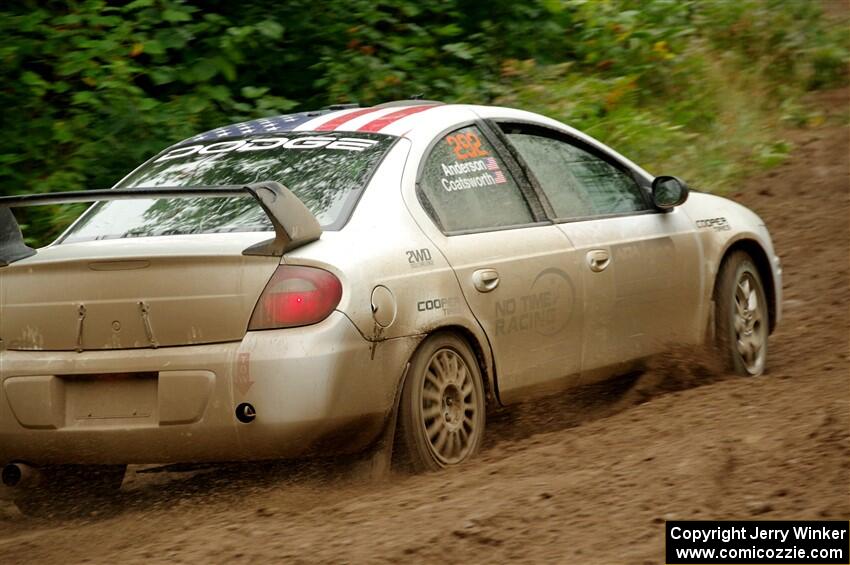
x,y
71,491
741,316
442,409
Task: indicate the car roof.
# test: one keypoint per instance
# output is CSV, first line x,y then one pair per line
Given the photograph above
x,y
415,119
397,118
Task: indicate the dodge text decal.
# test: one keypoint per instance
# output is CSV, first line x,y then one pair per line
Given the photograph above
x,y
265,143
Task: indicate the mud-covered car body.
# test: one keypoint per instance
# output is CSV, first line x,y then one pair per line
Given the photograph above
x,y
131,347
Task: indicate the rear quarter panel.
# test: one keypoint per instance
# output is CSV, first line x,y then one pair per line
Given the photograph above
x,y
382,245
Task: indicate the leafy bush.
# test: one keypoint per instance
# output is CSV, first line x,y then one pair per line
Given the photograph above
x,y
92,88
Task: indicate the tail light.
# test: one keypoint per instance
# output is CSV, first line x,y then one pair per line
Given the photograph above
x,y
296,296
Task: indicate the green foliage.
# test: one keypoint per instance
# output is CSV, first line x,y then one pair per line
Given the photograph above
x,y
92,88
788,40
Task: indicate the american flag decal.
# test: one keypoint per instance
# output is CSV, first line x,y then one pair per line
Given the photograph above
x,y
493,165
272,125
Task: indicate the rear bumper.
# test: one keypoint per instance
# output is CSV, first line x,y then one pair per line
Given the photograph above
x,y
317,389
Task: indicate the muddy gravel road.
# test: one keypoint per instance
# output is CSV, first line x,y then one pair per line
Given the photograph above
x,y
589,477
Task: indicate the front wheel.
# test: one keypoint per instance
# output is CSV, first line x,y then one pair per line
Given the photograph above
x,y
441,415
741,316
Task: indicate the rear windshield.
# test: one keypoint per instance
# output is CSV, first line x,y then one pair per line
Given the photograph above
x,y
326,171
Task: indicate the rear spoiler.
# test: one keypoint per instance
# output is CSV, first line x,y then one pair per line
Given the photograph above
x,y
294,224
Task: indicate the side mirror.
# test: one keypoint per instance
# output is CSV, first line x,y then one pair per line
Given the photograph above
x,y
668,192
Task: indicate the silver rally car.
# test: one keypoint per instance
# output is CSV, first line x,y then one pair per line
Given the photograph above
x,y
311,283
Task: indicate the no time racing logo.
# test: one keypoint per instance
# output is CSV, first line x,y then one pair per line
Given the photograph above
x,y
546,310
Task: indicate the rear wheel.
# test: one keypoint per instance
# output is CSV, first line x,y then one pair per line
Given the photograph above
x,y
68,491
441,415
741,316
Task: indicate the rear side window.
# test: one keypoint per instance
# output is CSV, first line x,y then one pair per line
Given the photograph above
x,y
465,186
577,182
326,171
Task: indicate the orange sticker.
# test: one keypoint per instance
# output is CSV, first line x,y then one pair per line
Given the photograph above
x,y
466,146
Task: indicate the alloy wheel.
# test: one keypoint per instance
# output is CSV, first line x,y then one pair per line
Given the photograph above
x,y
750,329
449,407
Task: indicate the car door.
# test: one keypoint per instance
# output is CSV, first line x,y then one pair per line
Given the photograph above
x,y
641,267
518,272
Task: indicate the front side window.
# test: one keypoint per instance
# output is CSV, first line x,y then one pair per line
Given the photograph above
x,y
325,171
577,183
465,186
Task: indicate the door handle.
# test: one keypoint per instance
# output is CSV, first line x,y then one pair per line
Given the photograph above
x,y
485,280
598,260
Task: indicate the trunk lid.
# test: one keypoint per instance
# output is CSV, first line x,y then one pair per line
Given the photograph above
x,y
133,293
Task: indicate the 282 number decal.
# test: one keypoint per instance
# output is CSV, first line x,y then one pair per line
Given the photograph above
x,y
466,146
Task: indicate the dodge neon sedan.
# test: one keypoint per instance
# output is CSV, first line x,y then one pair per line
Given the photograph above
x,y
311,283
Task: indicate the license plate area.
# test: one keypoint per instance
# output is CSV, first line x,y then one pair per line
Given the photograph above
x,y
110,399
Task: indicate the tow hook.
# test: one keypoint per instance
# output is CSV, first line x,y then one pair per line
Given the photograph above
x,y
20,475
245,413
